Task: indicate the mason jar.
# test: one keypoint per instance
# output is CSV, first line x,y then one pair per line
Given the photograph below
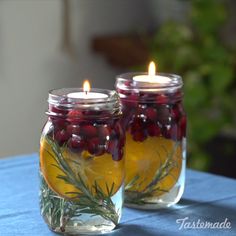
x,y
155,124
81,162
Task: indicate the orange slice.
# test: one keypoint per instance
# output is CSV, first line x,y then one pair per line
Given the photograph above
x,y
102,170
144,160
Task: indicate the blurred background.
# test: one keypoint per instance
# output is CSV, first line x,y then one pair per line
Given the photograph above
x,y
58,43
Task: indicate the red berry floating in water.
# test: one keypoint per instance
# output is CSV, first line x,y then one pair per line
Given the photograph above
x,y
177,111
76,144
137,129
153,130
137,124
172,132
104,131
73,129
74,113
95,147
57,116
61,137
88,131
151,113
139,136
59,123
162,99
163,114
74,116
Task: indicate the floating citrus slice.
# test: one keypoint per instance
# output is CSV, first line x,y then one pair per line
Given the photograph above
x,y
145,160
106,172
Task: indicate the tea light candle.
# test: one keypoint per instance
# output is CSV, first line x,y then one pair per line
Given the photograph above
x,y
152,77
86,94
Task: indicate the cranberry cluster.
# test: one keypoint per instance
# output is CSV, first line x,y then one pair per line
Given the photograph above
x,y
151,114
80,133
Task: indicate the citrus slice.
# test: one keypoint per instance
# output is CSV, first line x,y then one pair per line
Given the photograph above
x,y
100,170
144,160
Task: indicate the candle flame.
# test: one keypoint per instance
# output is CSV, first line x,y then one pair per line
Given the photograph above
x,y
86,86
152,69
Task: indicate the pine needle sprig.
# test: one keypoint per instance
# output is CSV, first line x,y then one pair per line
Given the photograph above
x,y
84,200
163,171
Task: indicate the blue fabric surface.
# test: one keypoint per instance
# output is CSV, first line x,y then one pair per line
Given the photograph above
x,y
207,197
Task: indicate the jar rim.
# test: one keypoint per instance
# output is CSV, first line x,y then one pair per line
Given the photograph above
x,y
60,97
125,82
90,107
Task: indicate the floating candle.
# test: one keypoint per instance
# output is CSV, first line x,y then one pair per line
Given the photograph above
x,y
152,77
86,94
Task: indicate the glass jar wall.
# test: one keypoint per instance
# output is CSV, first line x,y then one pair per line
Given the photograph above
x,y
155,124
81,163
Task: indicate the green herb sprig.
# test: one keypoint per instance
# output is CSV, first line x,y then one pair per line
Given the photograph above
x,y
84,201
136,197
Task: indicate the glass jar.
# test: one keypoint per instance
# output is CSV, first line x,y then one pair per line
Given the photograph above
x,y
155,124
81,163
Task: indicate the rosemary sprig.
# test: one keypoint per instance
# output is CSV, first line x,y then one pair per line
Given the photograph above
x,y
164,170
83,200
56,210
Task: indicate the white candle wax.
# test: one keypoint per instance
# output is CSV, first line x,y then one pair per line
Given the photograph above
x,y
152,79
88,95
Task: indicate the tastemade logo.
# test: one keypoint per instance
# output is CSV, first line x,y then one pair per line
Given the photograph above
x,y
185,223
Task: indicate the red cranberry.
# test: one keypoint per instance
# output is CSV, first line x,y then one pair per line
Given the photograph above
x,y
74,113
61,137
137,124
151,113
59,123
73,129
175,113
166,132
163,114
153,130
133,97
137,129
76,144
172,132
95,148
89,131
104,131
74,116
139,136
162,99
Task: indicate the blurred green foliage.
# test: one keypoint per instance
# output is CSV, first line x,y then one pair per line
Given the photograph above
x,y
195,50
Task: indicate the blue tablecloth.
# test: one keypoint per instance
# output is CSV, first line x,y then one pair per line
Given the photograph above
x,y
207,198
